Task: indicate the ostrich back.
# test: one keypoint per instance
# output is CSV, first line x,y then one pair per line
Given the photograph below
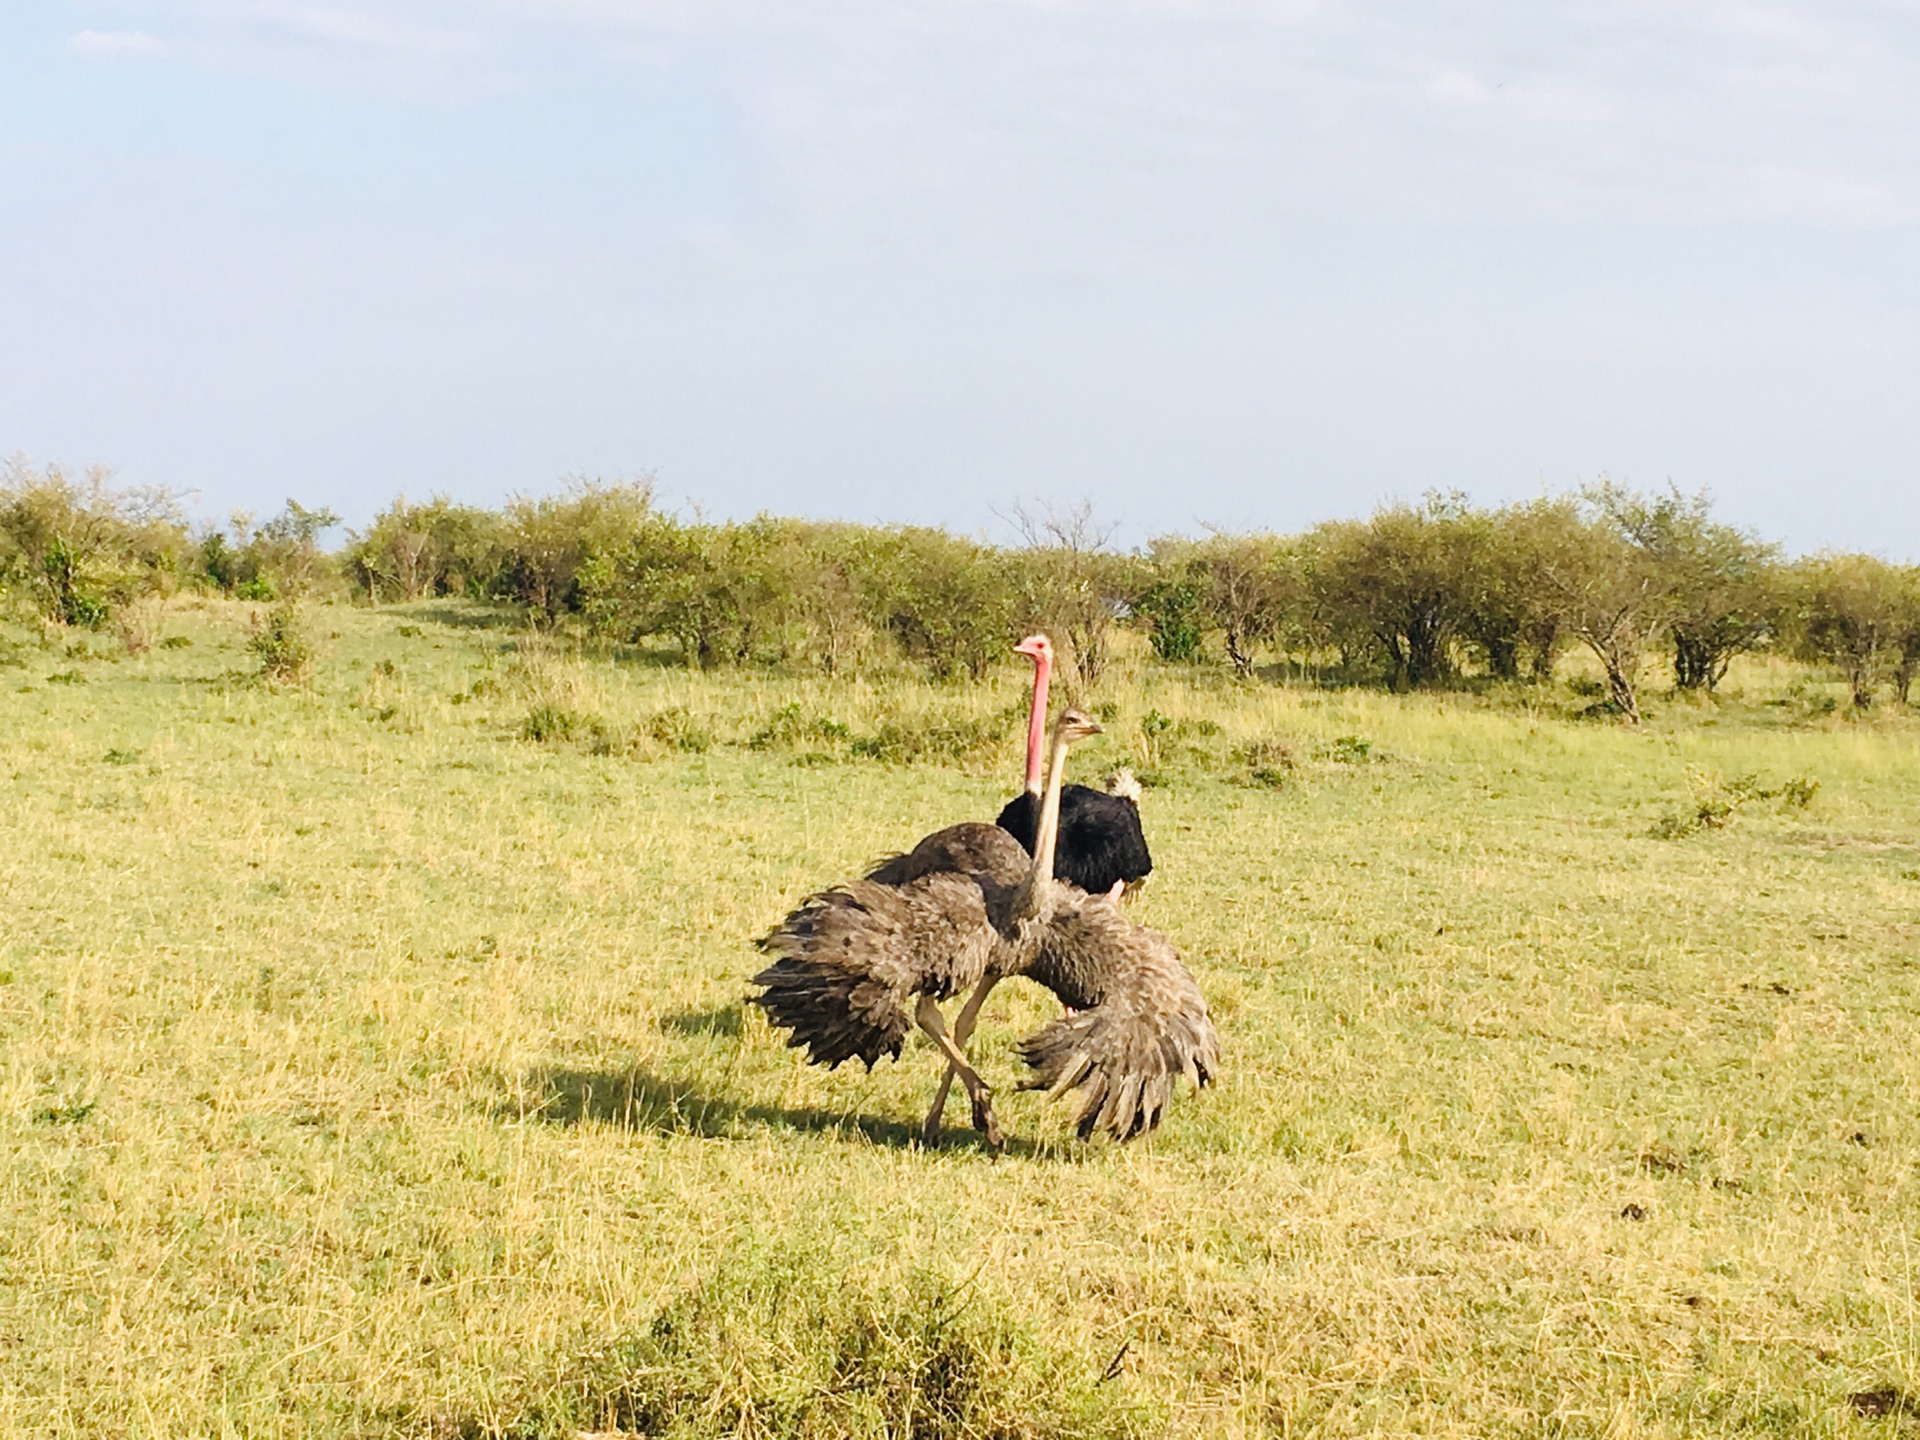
x,y
1142,1022
1100,837
850,961
969,848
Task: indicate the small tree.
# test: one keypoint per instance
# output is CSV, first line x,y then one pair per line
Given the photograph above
x,y
1607,594
80,546
1252,588
1909,663
1717,580
1399,584
1855,612
949,602
1071,583
1509,614
824,563
438,548
287,548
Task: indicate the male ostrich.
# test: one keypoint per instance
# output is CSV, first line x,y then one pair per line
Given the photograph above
x,y
1101,844
852,963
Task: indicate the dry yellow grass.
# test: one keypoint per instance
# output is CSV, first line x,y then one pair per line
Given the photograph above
x,y
367,1067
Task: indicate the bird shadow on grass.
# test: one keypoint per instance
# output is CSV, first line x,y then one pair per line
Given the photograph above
x,y
724,1020
639,1101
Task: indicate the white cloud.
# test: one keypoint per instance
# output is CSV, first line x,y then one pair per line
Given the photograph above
x,y
977,119
115,44
1456,87
343,25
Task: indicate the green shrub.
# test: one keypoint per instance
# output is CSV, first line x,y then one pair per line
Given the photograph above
x,y
902,742
79,547
284,645
437,548
557,551
548,721
1270,763
1350,750
681,729
1170,609
1715,800
722,594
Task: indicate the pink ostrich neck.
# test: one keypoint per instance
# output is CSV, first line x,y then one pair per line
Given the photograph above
x,y
1037,721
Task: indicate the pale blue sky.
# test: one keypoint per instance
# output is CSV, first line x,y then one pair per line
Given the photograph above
x,y
1201,261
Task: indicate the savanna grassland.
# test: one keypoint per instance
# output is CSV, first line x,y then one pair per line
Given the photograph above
x,y
373,1061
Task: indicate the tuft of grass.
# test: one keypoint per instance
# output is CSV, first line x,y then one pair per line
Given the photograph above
x,y
138,623
680,729
759,1345
789,726
548,721
1271,763
909,742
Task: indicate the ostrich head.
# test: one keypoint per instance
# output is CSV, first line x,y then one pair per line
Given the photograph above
x,y
1039,649
1073,727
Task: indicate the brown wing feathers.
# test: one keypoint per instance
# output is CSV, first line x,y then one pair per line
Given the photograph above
x,y
1145,1025
849,962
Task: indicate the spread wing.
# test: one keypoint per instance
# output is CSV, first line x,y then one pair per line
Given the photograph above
x,y
849,962
1142,1022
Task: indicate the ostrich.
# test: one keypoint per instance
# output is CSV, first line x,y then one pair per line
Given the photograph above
x,y
850,962
1101,846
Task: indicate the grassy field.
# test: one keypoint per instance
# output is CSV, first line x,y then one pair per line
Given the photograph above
x,y
372,1061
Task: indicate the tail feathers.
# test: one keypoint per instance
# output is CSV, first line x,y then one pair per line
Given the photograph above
x,y
835,1014
1127,1053
848,963
1124,784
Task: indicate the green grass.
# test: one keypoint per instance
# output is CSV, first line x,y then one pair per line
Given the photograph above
x,y
372,1061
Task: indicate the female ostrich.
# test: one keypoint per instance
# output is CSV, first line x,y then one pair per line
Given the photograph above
x,y
851,960
1101,844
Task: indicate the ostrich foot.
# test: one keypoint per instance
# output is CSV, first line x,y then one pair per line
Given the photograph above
x,y
930,1127
931,1021
983,1119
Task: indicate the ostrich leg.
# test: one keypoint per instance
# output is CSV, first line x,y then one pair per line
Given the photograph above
x,y
931,1021
963,1024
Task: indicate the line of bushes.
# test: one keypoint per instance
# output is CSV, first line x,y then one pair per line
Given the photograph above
x,y
1420,594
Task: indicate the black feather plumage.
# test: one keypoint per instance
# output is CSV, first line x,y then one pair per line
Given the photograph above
x,y
1100,837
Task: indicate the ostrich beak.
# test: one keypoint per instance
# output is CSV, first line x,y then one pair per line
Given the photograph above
x,y
1034,647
